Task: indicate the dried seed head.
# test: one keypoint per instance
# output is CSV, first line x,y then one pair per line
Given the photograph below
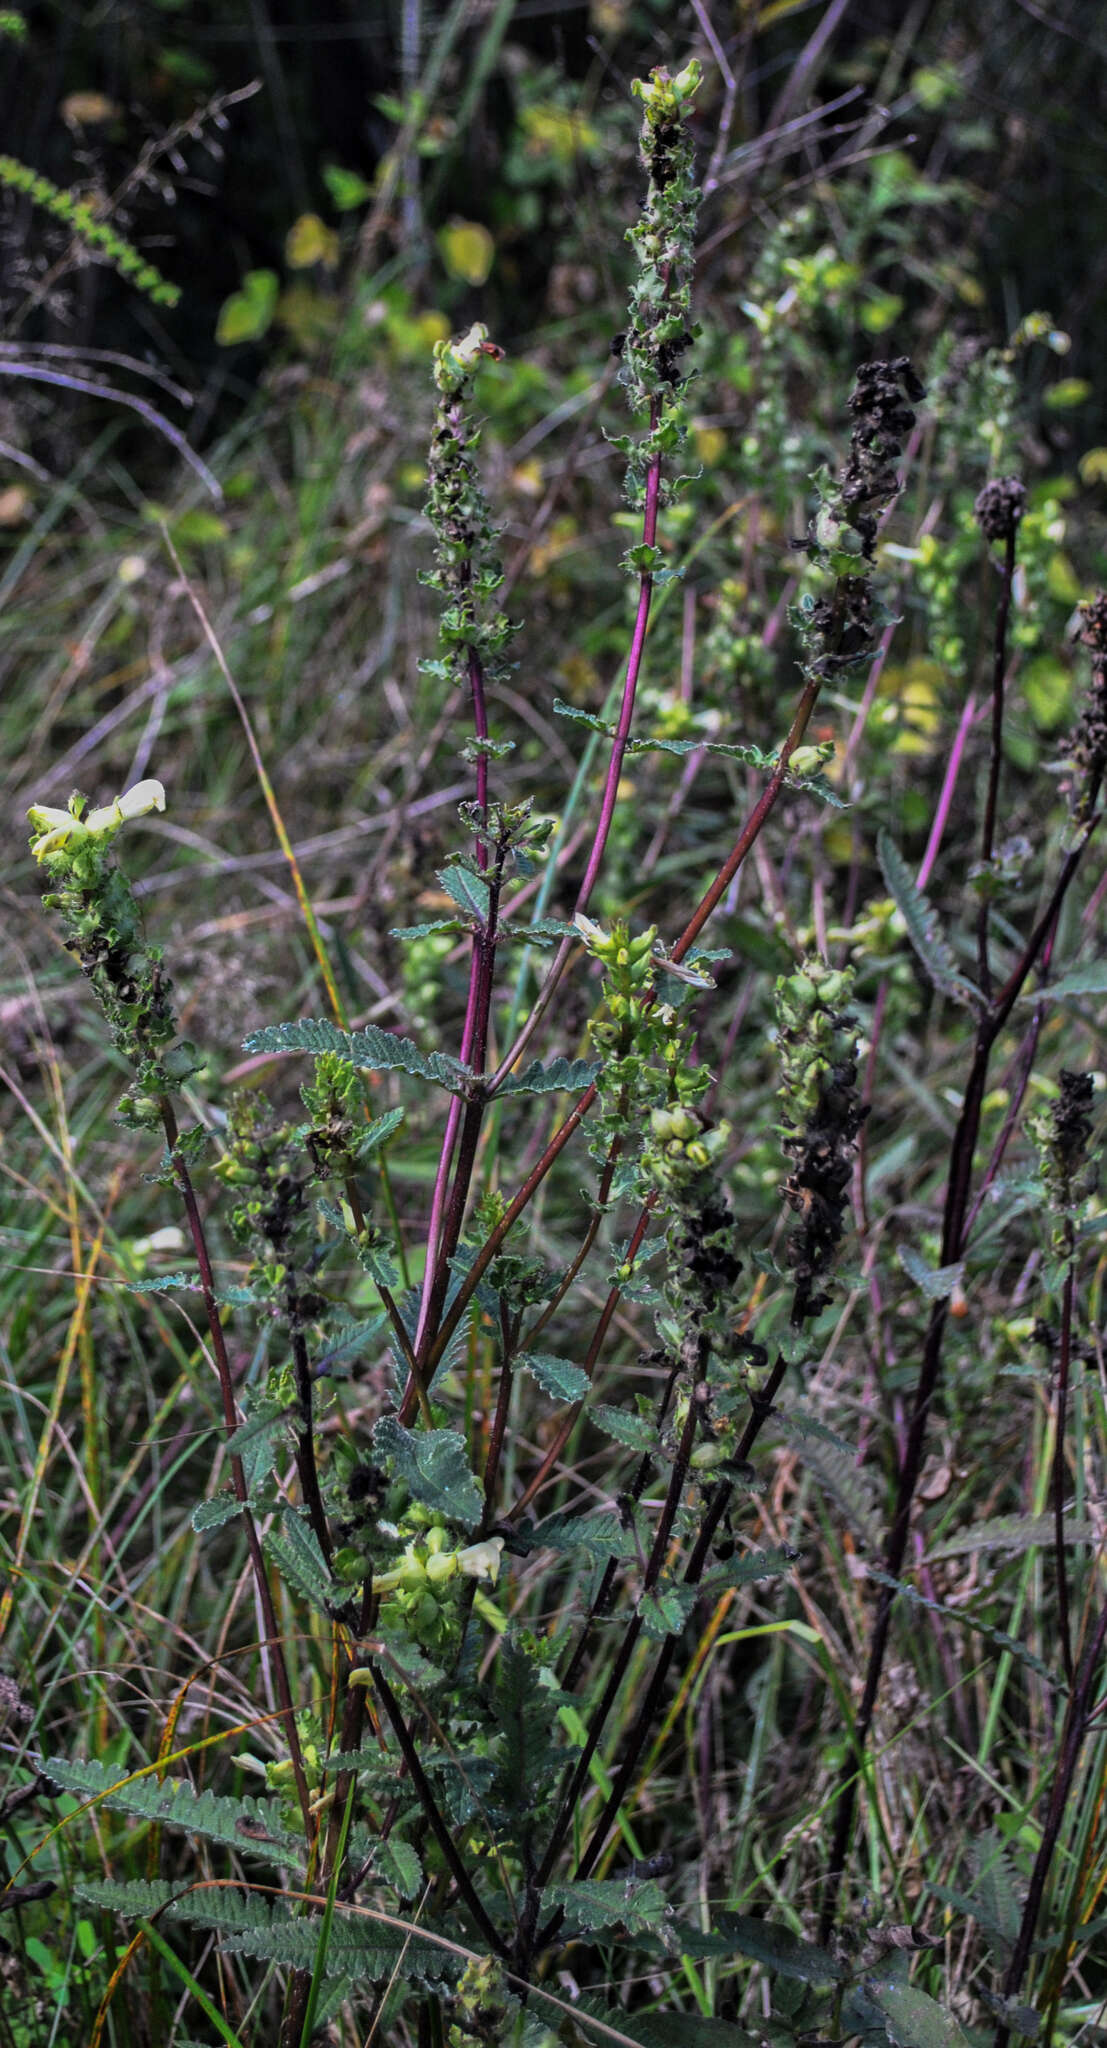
x,y
1093,631
1088,748
882,420
1000,506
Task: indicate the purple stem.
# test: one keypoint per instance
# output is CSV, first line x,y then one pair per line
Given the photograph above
x,y
611,780
945,800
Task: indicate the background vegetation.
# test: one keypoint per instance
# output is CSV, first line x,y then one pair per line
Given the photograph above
x,y
218,309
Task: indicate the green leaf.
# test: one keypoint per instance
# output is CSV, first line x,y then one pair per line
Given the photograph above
x,y
237,1823
600,1535
595,1903
637,1432
379,1051
212,1514
434,1466
834,1464
406,1659
997,1899
745,1571
689,2030
426,931
555,1376
1081,981
470,892
377,1133
914,2019
665,1611
964,1617
163,1286
249,311
561,1074
397,1864
345,189
936,1282
361,1947
1022,2019
529,1753
257,1429
137,1896
923,929
543,931
294,1547
1008,1532
779,1949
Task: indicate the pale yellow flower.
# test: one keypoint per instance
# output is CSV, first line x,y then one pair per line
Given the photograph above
x,y
59,828
482,1560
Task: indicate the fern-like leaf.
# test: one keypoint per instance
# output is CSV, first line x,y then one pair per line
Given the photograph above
x,y
247,1824
930,944
380,1051
294,1548
561,1075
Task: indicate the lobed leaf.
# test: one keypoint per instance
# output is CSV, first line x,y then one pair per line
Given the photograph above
x,y
434,1466
933,949
556,1376
380,1051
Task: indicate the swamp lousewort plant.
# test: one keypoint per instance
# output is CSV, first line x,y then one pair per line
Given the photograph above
x,y
459,1837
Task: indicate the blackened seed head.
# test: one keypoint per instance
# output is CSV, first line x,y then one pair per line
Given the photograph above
x,y
1093,631
1000,506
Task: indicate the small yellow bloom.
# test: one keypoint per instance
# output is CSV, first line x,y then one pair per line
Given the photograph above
x,y
57,828
482,1560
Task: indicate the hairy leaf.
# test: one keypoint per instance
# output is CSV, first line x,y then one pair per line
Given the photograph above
x,y
636,1431
665,1611
434,1466
135,1897
835,1466
294,1548
561,1074
470,892
529,1753
779,1949
1008,1532
594,1903
381,1051
377,1133
923,929
936,1282
238,1823
1090,980
166,1285
212,1514
396,1863
556,1376
744,1571
914,2019
426,931
600,1536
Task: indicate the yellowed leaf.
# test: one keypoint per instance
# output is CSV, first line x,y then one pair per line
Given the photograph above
x,y
15,505
309,240
88,109
467,250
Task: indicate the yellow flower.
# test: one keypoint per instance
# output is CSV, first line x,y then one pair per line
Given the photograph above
x,y
57,828
482,1560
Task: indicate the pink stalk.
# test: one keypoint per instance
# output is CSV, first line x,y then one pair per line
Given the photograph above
x,y
945,800
611,780
468,1031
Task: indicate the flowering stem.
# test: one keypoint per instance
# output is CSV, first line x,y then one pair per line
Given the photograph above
x,y
238,1478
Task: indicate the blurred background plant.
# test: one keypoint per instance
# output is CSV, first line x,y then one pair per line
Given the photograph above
x,y
330,198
